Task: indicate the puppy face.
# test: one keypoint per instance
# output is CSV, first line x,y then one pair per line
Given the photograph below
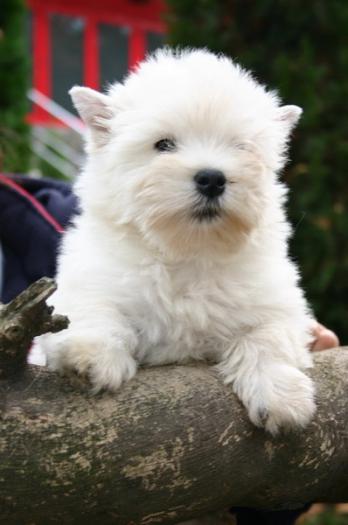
x,y
184,152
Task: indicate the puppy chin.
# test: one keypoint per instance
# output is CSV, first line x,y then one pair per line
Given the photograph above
x,y
206,211
206,231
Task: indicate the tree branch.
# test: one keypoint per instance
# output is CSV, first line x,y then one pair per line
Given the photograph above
x,y
172,444
21,320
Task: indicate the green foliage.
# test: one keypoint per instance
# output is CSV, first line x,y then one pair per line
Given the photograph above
x,y
14,148
300,48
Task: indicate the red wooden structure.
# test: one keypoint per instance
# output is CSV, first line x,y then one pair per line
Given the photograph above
x,y
139,17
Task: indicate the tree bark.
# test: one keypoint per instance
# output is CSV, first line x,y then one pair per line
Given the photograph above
x,y
21,320
172,444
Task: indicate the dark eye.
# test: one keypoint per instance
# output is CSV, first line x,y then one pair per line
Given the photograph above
x,y
165,145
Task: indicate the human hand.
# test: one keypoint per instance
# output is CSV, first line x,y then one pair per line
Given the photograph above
x,y
324,338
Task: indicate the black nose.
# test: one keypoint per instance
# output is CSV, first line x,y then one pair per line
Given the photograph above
x,y
210,183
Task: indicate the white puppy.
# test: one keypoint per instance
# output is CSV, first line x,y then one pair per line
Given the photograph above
x,y
180,251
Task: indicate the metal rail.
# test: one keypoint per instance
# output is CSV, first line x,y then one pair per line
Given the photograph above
x,y
56,111
54,148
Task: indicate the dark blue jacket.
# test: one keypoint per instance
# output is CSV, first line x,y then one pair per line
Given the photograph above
x,y
33,215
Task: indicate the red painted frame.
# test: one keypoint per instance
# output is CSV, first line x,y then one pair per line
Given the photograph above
x,y
141,16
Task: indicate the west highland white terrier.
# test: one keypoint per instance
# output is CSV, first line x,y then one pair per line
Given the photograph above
x,y
181,250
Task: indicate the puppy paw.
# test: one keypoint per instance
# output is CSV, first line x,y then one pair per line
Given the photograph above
x,y
110,372
282,399
105,361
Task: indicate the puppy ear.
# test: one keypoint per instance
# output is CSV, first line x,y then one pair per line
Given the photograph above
x,y
288,116
95,111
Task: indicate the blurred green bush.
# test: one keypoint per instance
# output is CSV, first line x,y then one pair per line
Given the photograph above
x,y
300,48
14,69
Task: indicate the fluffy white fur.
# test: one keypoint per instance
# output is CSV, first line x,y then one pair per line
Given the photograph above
x,y
144,281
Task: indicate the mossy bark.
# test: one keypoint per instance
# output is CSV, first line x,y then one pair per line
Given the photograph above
x,y
172,444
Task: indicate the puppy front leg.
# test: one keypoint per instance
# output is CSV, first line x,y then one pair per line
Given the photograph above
x,y
264,371
99,344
